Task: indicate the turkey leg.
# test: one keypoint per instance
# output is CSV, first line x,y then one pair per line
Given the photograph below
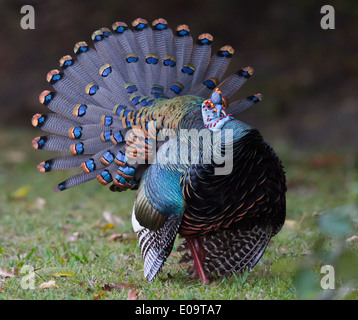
x,y
198,254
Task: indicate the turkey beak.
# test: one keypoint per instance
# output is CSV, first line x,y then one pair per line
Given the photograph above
x,y
223,113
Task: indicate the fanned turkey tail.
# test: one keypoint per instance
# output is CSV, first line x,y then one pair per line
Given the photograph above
x,y
101,93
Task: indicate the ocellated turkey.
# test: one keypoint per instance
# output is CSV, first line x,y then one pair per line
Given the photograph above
x,y
106,110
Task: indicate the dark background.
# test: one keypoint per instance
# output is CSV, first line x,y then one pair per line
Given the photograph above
x,y
308,76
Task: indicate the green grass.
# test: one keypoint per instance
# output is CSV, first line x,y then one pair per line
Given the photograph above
x,y
36,226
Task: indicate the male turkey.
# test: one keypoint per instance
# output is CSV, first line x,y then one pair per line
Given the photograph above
x,y
110,105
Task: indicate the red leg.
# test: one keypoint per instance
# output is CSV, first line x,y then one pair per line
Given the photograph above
x,y
197,252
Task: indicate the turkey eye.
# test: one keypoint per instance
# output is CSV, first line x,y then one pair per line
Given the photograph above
x,y
208,104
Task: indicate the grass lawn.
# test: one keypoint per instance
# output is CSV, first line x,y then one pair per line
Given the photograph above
x,y
66,237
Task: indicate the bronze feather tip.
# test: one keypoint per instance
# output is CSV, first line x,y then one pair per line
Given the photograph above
x,y
139,23
119,27
97,35
66,61
205,38
35,142
250,70
41,166
44,96
35,119
256,97
246,72
229,49
182,29
158,22
53,76
59,187
80,47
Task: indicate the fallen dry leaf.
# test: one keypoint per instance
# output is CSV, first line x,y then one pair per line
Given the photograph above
x,y
20,194
325,161
111,218
117,285
15,271
99,295
175,255
291,224
108,226
40,203
352,238
120,236
283,250
132,295
48,284
5,274
74,237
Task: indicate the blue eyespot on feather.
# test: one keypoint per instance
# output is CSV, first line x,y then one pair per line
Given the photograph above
x,y
104,177
120,159
117,137
53,76
38,120
127,170
66,61
118,108
177,87
47,165
80,47
211,83
134,99
182,30
79,110
88,165
91,89
160,24
139,24
119,27
188,69
152,59
130,87
60,187
107,158
169,61
77,148
205,39
106,120
106,135
105,70
39,142
44,166
226,51
246,72
46,96
120,179
143,101
131,58
75,132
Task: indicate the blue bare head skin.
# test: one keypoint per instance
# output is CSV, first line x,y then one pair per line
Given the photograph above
x,y
213,112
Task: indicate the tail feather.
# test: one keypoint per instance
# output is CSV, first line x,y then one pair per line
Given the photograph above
x,y
108,49
201,57
234,82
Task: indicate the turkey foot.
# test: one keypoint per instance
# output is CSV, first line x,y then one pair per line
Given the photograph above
x,y
198,254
